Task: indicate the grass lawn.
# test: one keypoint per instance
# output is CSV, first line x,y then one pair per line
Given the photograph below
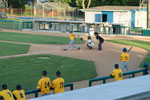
x,y
7,49
136,43
27,70
37,39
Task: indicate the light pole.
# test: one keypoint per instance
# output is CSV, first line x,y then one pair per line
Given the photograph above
x,y
43,10
148,14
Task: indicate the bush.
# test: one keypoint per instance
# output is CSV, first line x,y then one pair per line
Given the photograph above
x,y
27,10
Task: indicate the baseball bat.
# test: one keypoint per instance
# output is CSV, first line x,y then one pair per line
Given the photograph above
x,y
79,37
129,49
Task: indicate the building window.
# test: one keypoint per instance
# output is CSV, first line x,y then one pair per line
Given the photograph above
x,y
98,18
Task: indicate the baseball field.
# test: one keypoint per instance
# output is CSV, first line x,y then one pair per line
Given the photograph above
x,y
24,55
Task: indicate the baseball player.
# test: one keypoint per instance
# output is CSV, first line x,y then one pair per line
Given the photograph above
x,y
101,40
145,66
72,37
58,83
19,94
117,73
124,59
44,84
5,93
90,43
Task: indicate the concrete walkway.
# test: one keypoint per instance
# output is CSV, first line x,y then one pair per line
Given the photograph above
x,y
122,90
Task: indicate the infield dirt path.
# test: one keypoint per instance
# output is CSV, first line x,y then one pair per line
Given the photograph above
x,y
104,60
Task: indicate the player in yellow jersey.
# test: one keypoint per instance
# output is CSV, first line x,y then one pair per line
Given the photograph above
x,y
117,73
58,83
44,84
19,94
72,37
124,59
5,93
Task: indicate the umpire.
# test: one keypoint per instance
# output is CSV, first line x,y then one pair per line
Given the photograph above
x,y
101,40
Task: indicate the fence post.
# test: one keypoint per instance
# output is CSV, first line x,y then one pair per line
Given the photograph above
x,y
145,72
71,88
133,75
36,94
90,83
104,81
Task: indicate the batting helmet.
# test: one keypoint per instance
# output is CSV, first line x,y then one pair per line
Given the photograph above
x,y
124,49
70,31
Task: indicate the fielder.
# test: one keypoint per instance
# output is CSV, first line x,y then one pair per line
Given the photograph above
x,y
117,73
124,59
72,37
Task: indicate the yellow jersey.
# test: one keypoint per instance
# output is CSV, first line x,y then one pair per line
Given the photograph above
x,y
72,36
44,85
6,94
125,57
58,85
117,73
19,94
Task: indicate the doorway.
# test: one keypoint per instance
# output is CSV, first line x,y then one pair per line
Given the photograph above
x,y
104,17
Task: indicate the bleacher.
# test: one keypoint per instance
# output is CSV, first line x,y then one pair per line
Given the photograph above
x,y
128,89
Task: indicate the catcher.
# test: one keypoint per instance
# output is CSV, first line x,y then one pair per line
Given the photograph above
x,y
90,43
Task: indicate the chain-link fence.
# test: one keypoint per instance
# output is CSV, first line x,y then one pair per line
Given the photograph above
x,y
46,11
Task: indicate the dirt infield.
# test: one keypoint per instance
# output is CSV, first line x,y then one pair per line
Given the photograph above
x,y
104,60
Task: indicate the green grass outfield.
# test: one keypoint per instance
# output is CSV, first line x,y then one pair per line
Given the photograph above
x,y
37,39
136,43
7,49
27,70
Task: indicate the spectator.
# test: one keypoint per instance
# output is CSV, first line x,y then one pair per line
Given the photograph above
x,y
58,83
117,73
5,93
101,28
44,84
19,94
106,27
110,29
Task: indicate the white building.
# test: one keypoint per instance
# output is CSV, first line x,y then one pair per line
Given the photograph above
x,y
131,16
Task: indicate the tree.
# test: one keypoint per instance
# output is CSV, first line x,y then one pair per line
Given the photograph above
x,y
86,3
16,3
27,10
6,3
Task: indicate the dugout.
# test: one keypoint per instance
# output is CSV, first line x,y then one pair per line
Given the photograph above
x,y
76,26
63,26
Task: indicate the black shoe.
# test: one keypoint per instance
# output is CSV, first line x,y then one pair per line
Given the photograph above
x,y
65,49
79,48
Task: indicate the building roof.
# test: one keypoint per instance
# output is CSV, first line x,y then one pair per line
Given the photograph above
x,y
112,8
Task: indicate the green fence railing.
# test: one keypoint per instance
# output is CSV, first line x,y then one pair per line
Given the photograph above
x,y
103,79
36,91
